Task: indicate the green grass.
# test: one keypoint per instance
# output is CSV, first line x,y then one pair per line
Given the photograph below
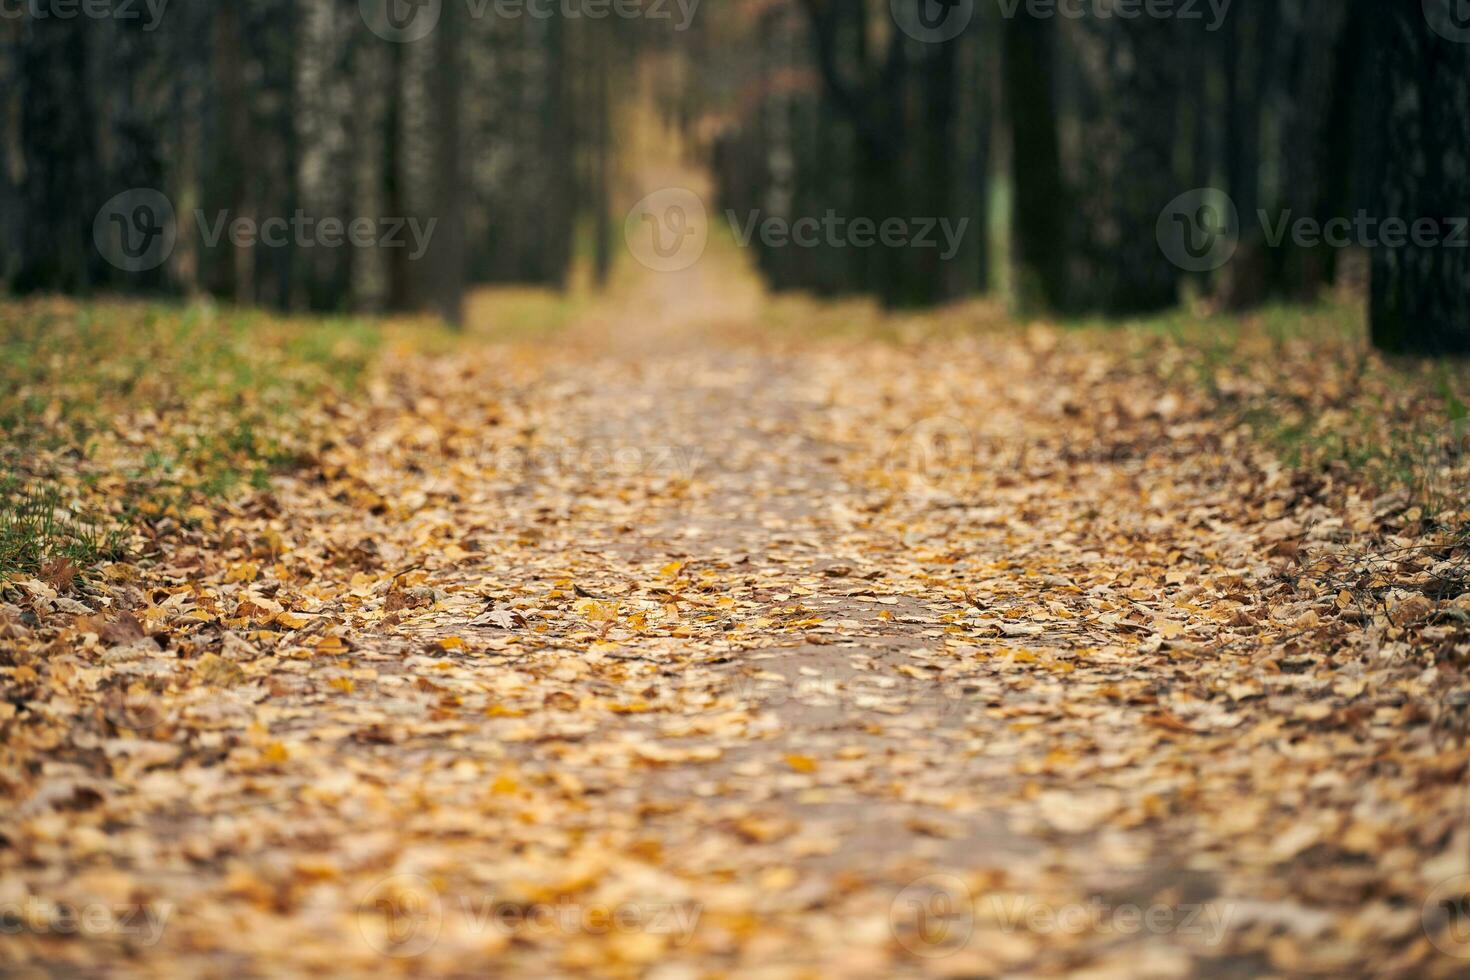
x,y
117,413
1306,384
1302,380
37,528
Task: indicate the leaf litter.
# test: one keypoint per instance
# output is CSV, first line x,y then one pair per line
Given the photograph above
x,y
750,640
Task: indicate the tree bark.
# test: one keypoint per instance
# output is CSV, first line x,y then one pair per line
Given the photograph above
x,y
1039,218
399,287
1421,292
57,147
448,247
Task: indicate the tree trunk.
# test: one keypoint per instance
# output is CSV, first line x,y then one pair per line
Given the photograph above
x,y
1148,82
234,275
936,143
399,287
57,145
556,156
970,272
1246,65
602,163
1421,292
449,244
1300,273
1039,217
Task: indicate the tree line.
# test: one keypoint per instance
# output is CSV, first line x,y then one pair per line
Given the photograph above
x,y
1079,126
1091,125
487,130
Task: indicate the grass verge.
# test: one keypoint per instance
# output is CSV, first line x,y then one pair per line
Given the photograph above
x,y
116,415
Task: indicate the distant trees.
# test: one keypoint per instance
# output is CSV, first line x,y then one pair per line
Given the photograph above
x,y
496,137
907,127
1102,121
267,109
832,120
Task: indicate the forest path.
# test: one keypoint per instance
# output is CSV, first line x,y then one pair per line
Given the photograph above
x,y
678,644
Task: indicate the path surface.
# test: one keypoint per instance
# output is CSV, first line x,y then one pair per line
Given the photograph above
x,y
676,647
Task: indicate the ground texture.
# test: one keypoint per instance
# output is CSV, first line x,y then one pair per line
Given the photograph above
x,y
682,647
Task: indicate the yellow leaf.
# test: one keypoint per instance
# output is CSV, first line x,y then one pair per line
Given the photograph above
x,y
597,612
245,571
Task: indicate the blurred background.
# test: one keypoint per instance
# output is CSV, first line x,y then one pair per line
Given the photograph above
x,y
836,465
1063,133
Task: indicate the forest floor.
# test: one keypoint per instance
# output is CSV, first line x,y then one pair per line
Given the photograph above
x,y
710,634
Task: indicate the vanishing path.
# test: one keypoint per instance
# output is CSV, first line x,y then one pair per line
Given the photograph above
x,y
676,645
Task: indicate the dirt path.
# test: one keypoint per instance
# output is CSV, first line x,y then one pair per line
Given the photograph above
x,y
673,647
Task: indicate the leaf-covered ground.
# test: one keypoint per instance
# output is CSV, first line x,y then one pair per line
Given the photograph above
x,y
693,639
